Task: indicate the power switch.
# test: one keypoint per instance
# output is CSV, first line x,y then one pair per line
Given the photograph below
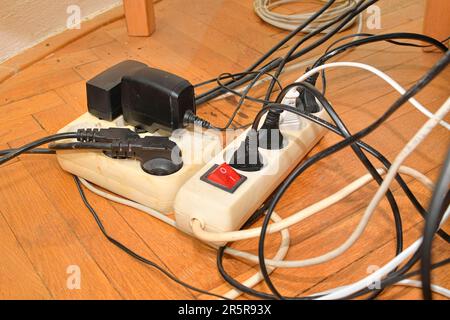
x,y
224,177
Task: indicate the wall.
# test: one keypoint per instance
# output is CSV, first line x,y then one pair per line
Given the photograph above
x,y
25,23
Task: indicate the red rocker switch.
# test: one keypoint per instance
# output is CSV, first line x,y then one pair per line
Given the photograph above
x,y
224,177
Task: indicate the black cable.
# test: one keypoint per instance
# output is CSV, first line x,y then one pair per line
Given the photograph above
x,y
81,146
439,204
366,162
435,70
382,37
215,92
319,96
33,151
35,144
281,63
419,36
373,38
132,253
245,94
233,76
247,97
344,19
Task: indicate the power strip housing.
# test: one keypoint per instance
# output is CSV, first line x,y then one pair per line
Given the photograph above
x,y
125,177
222,211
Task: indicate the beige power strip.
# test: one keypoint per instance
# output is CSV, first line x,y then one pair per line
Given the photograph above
x,y
126,177
222,210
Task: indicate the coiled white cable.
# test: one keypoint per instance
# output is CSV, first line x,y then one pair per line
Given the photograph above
x,y
263,8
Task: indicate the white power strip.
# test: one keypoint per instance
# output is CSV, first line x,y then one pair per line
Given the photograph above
x,y
221,210
125,177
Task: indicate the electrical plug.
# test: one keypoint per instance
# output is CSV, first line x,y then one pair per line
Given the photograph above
x,y
105,135
247,157
269,135
306,100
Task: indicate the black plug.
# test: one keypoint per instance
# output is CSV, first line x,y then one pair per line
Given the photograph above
x,y
105,135
306,101
158,156
247,157
269,134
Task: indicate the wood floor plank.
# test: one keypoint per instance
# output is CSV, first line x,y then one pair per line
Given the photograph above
x,y
28,106
18,128
46,238
51,120
12,91
18,278
128,276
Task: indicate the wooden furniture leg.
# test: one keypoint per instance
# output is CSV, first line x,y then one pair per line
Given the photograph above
x,y
436,22
140,17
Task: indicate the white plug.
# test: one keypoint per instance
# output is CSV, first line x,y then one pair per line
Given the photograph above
x,y
289,120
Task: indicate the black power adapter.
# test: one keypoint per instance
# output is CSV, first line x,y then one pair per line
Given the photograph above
x,y
148,98
153,98
104,90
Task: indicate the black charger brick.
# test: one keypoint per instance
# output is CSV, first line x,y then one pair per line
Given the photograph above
x,y
104,90
155,98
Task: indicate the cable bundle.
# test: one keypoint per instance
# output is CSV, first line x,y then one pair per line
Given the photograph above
x,y
263,9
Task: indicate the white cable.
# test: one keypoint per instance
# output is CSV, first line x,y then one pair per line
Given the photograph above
x,y
418,284
263,8
380,273
109,196
406,151
279,225
406,282
257,277
380,74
